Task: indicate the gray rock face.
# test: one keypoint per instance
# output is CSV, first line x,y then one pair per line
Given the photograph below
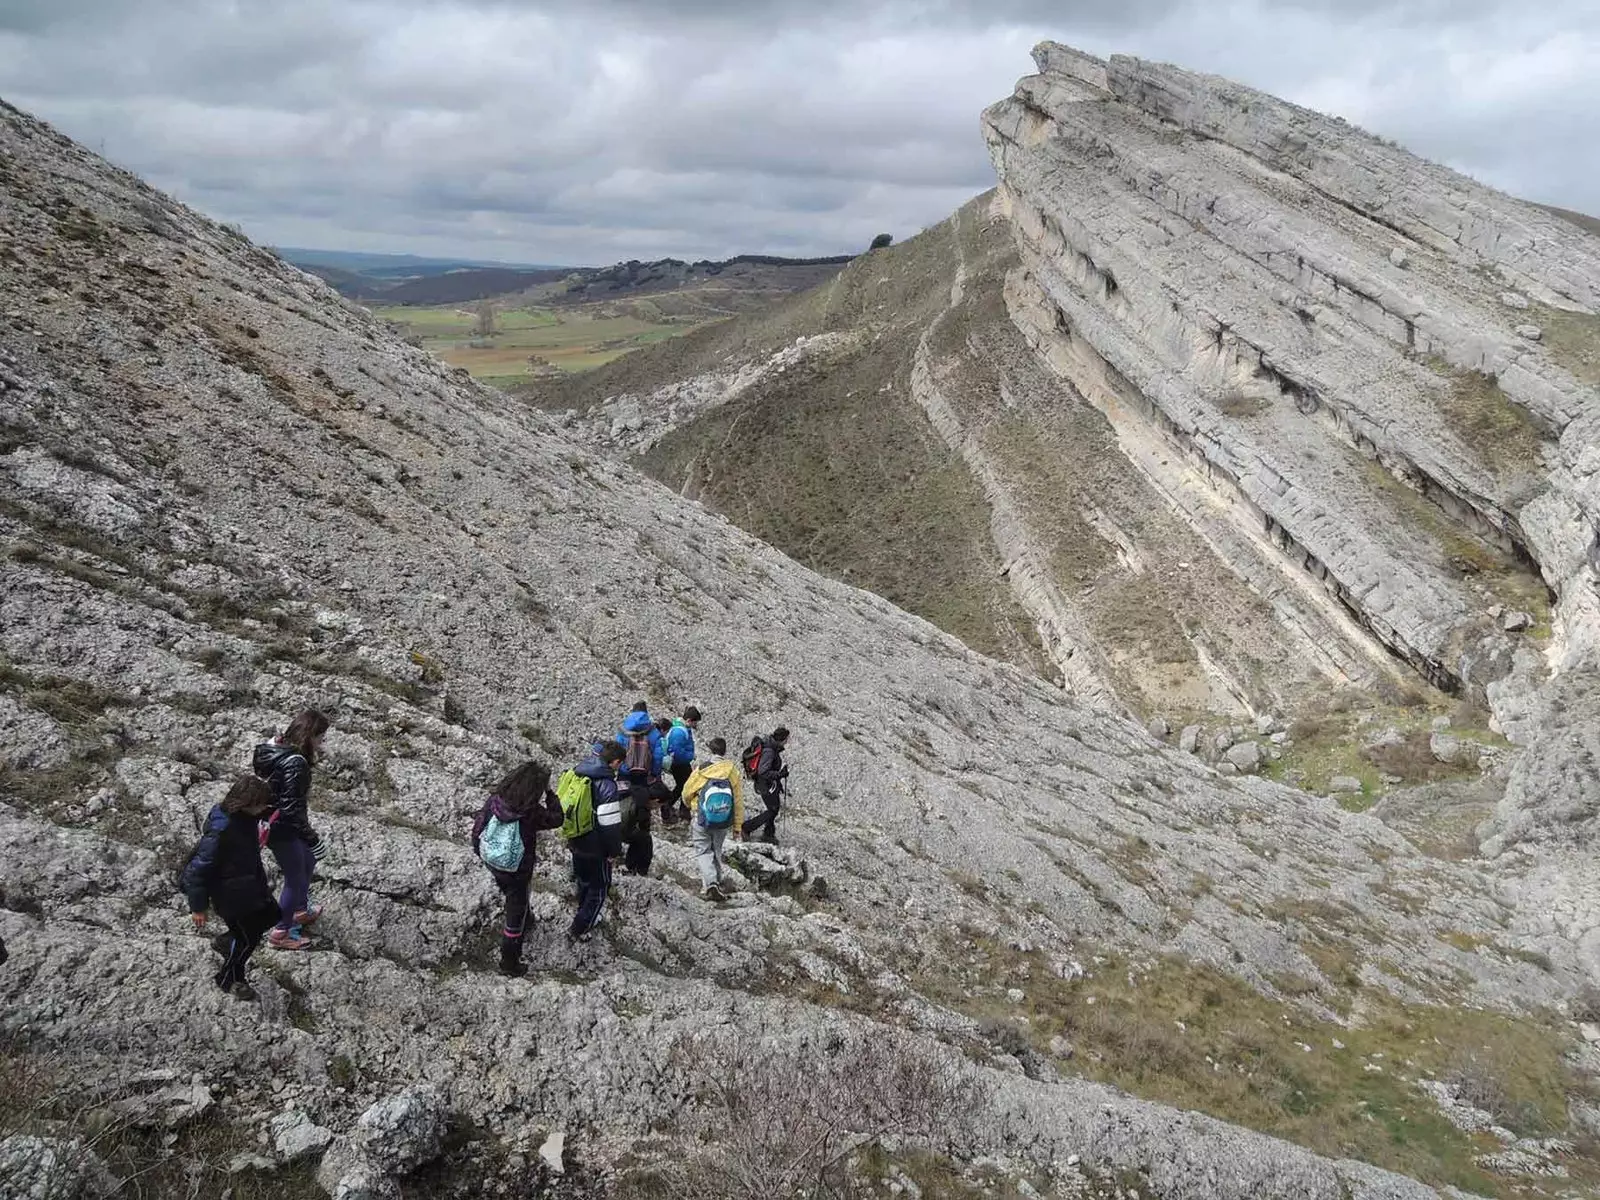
x,y
37,1168
296,1136
226,494
392,1139
1314,332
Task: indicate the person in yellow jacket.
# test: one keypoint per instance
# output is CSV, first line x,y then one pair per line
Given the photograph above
x,y
716,805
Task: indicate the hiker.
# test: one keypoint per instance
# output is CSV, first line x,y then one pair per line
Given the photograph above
x,y
225,873
285,763
641,769
665,793
679,760
503,838
763,764
716,805
591,811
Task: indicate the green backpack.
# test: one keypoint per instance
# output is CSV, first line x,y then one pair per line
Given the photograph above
x,y
576,794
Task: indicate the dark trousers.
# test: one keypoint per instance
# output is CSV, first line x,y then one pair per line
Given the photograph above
x,y
672,807
593,873
246,928
514,887
641,847
296,862
772,799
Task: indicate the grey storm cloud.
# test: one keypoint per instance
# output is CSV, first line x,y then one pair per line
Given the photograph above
x,y
583,131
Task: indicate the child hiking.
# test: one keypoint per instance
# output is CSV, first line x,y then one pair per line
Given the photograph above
x,y
591,821
225,873
285,763
504,839
679,758
716,805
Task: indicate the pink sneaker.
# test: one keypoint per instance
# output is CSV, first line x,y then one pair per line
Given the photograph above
x,y
308,916
288,939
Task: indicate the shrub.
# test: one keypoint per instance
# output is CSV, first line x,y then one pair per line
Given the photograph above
x,y
787,1123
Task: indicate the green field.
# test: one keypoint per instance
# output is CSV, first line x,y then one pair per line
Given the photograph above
x,y
568,339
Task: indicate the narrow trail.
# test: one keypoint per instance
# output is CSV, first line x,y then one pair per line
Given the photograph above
x,y
1067,639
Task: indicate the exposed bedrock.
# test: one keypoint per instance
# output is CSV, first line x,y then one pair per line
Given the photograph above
x,y
1333,337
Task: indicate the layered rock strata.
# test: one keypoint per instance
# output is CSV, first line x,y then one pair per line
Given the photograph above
x,y
1334,343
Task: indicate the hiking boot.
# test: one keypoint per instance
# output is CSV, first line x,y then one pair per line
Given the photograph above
x,y
513,968
713,893
308,916
288,939
242,991
222,943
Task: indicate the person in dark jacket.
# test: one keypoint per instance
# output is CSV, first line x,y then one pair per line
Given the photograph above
x,y
522,798
285,763
594,849
225,873
769,776
641,775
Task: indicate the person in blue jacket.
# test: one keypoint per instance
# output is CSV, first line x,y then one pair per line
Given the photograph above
x,y
679,758
225,873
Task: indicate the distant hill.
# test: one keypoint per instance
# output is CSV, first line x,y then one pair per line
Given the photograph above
x,y
1581,220
413,280
466,286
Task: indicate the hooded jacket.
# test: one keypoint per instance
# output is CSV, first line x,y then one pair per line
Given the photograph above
x,y
770,771
605,839
288,774
225,869
638,722
546,814
680,744
717,768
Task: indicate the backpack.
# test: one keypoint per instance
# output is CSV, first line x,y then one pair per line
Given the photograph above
x,y
750,760
641,758
500,844
716,804
576,794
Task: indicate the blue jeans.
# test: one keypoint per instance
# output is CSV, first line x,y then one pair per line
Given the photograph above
x,y
593,873
296,862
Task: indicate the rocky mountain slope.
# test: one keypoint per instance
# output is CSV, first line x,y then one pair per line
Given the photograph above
x,y
1227,448
1021,946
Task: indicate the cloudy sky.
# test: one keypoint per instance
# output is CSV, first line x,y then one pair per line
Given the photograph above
x,y
586,131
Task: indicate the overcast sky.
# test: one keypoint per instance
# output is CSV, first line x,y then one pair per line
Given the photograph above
x,y
587,131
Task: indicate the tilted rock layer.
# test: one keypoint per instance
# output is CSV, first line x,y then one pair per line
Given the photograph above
x,y
1363,358
225,493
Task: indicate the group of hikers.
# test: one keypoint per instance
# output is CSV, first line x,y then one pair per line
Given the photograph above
x,y
602,805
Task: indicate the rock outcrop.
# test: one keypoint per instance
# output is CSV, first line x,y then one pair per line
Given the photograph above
x,y
1216,270
226,493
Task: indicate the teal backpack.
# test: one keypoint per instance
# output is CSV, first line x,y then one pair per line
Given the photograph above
x,y
500,844
716,804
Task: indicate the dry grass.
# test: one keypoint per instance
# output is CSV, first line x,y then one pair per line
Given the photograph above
x,y
1198,1038
1502,432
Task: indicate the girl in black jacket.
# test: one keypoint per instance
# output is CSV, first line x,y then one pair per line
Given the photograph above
x,y
285,763
225,873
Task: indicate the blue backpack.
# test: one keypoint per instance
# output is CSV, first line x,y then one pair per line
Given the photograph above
x,y
716,804
500,844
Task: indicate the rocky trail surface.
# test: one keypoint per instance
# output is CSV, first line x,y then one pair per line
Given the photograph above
x,y
1014,945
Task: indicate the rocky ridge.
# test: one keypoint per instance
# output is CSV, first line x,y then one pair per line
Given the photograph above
x,y
224,493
